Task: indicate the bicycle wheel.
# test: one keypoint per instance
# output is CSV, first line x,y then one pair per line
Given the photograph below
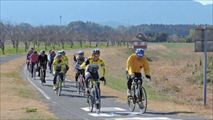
x,y
42,76
90,101
131,101
59,85
34,72
142,100
82,85
79,84
98,100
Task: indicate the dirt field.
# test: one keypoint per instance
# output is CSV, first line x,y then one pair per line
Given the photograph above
x,y
19,100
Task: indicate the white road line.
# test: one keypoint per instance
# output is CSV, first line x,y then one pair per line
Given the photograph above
x,y
101,115
106,109
41,91
144,118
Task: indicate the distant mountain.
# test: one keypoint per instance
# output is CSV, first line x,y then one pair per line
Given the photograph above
x,y
113,24
113,13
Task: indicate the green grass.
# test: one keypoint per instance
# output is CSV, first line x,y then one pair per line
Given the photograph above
x,y
121,85
9,50
30,110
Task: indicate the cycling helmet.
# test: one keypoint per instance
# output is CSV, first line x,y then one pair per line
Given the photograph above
x,y
42,52
59,52
95,51
63,52
139,52
35,52
80,52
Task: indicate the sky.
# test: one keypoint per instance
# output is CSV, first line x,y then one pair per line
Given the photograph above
x,y
205,2
120,12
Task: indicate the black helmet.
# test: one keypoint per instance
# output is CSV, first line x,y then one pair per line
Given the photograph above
x,y
42,51
35,52
96,51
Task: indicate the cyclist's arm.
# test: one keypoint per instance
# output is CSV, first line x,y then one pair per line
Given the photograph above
x,y
46,59
54,65
74,58
146,68
84,64
103,68
129,65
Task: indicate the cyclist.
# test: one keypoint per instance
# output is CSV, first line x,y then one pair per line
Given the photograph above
x,y
51,57
33,61
58,66
28,58
42,62
92,65
79,60
135,63
65,59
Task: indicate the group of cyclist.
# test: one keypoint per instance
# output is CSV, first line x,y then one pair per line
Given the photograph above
x,y
90,67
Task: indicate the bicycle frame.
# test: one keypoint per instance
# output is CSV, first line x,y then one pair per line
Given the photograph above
x,y
138,96
42,77
59,80
95,95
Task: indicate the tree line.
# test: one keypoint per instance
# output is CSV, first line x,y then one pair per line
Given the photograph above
x,y
79,31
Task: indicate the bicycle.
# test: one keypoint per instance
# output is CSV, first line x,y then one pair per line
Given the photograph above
x,y
59,81
34,70
94,96
81,83
42,73
28,66
138,96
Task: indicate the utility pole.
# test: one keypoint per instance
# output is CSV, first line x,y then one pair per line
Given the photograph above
x,y
205,66
60,19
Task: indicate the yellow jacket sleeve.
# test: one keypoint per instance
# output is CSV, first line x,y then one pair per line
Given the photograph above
x,y
84,64
146,67
103,68
54,65
129,64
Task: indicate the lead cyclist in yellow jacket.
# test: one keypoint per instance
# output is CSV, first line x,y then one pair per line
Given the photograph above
x,y
58,66
135,63
91,66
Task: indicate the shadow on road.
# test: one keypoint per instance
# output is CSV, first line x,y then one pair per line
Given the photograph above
x,y
69,86
67,90
104,97
77,96
169,113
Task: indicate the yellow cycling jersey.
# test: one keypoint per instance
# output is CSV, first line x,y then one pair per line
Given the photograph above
x,y
90,61
56,63
135,65
65,59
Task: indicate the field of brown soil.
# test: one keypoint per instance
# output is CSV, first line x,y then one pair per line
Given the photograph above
x,y
19,100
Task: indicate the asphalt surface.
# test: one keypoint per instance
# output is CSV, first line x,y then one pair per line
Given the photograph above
x,y
4,59
72,106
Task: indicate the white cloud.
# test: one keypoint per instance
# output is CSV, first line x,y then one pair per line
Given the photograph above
x,y
205,2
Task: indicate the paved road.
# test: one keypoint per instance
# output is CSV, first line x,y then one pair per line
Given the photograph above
x,y
71,105
4,59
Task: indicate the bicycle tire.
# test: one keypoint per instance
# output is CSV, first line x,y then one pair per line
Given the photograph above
x,y
131,100
42,76
90,101
142,104
59,85
79,84
98,98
